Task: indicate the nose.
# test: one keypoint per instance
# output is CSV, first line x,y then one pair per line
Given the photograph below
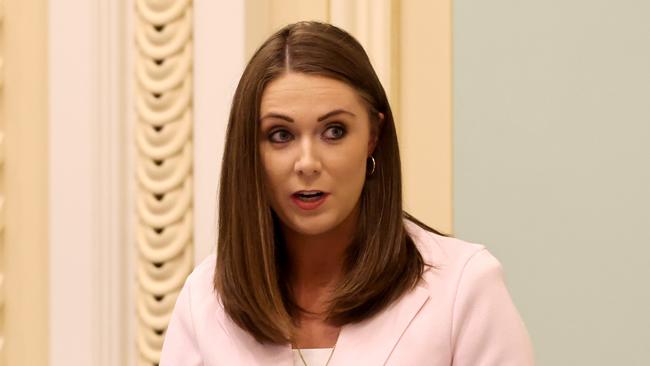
x,y
307,162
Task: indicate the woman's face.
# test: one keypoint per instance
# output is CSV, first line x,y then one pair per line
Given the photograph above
x,y
315,139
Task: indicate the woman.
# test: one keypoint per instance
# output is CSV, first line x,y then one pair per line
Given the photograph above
x,y
316,261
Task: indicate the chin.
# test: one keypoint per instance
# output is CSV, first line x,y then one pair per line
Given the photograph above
x,y
315,225
307,227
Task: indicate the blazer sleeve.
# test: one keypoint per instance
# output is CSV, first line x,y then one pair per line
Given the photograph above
x,y
487,329
180,345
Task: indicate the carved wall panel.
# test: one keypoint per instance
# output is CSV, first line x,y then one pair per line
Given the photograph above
x,y
163,68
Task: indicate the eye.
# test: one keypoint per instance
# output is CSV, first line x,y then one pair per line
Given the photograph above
x,y
335,132
280,136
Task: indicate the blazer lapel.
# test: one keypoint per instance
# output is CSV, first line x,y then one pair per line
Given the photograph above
x,y
371,342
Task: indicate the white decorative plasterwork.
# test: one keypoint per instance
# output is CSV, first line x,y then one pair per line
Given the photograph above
x,y
163,135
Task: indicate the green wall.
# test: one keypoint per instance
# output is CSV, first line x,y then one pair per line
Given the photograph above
x,y
552,167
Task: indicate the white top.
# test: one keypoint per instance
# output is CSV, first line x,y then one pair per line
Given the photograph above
x,y
313,356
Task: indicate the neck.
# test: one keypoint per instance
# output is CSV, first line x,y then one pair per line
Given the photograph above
x,y
316,261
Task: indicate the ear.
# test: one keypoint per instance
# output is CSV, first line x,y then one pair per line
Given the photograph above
x,y
374,133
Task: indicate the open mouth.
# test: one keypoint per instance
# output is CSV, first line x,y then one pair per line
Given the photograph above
x,y
309,196
309,200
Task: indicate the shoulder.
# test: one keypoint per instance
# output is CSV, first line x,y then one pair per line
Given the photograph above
x,y
465,282
192,318
204,271
452,263
445,252
200,283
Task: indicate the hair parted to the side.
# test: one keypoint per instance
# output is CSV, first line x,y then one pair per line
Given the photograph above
x,y
382,262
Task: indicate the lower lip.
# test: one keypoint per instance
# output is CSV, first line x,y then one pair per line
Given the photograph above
x,y
311,205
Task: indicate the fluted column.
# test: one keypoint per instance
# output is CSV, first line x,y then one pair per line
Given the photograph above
x,y
163,135
375,25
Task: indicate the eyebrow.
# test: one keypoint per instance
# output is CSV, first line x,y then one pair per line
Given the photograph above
x,y
320,119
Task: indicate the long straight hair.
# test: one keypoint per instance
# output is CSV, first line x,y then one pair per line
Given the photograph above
x,y
382,262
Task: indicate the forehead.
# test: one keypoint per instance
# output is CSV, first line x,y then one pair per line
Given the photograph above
x,y
302,93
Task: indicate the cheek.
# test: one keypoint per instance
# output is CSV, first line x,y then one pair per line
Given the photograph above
x,y
348,168
276,167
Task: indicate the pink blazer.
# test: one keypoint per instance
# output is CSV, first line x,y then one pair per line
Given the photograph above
x,y
460,314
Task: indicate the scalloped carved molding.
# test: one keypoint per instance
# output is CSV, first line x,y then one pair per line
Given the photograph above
x,y
164,165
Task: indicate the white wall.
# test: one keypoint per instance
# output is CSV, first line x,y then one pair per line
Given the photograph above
x,y
88,208
219,41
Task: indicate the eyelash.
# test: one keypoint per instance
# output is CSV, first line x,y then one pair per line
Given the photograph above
x,y
334,126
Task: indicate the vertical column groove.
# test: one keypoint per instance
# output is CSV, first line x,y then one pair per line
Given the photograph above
x,y
375,24
163,136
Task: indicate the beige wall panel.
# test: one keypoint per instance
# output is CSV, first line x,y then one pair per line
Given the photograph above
x,y
263,17
257,25
24,95
2,193
284,12
425,108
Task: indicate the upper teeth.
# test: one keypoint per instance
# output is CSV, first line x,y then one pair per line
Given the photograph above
x,y
309,193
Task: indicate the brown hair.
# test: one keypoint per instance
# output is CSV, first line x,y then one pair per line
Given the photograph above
x,y
382,261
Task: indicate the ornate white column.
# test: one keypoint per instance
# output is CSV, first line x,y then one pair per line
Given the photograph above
x,y
163,136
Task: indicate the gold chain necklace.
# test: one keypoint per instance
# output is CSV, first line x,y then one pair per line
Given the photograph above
x,y
326,363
